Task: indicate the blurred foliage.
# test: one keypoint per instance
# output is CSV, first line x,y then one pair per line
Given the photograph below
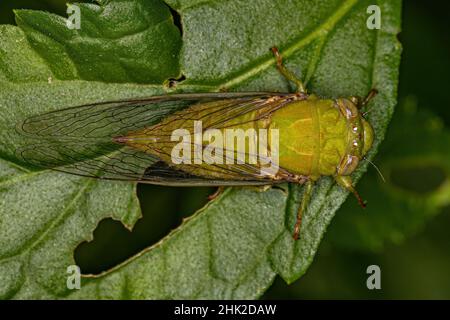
x,y
414,159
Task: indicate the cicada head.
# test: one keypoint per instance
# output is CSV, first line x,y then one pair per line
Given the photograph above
x,y
360,137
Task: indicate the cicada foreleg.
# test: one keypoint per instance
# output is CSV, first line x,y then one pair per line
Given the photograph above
x,y
347,183
287,73
344,181
302,208
361,102
217,193
372,93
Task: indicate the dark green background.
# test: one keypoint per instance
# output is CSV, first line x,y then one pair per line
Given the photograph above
x,y
419,267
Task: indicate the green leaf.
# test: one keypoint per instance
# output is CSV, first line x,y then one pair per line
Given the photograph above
x,y
414,160
237,244
123,41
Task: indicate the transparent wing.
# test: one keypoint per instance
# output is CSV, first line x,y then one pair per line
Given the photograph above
x,y
79,140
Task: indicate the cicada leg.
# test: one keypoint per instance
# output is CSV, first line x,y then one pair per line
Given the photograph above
x,y
217,193
346,183
361,102
287,73
372,93
302,208
343,181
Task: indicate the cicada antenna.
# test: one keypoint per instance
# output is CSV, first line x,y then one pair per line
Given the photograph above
x,y
376,168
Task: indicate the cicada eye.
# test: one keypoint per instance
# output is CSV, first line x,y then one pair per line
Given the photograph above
x,y
348,165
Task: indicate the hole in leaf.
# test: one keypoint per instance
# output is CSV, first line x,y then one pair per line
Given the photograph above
x,y
418,179
176,20
163,209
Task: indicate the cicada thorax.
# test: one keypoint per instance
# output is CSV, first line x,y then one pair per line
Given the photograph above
x,y
313,136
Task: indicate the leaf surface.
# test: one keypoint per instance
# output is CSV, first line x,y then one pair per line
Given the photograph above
x,y
237,244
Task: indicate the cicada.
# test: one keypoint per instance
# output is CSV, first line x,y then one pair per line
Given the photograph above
x,y
185,139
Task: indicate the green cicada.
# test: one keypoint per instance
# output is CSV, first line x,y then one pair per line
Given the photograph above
x,y
207,139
